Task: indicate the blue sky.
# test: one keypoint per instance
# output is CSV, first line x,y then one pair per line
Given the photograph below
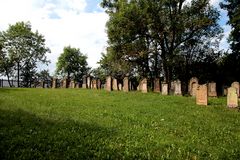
x,y
79,23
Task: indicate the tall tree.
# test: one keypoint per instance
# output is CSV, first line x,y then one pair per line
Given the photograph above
x,y
72,63
232,60
25,48
152,33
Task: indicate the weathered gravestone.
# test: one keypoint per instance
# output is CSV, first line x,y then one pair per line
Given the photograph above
x,y
89,82
94,84
212,89
157,85
164,88
236,85
232,97
54,83
108,85
84,84
125,84
144,85
72,84
192,87
177,87
120,87
202,95
115,84
65,83
42,84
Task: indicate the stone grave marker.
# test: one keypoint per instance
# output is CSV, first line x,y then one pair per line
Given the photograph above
x,y
177,87
125,84
108,85
94,84
157,85
84,85
212,89
98,83
89,82
144,85
232,97
115,84
72,84
120,87
164,88
202,95
54,83
65,83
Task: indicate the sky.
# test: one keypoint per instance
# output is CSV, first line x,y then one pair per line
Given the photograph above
x,y
78,23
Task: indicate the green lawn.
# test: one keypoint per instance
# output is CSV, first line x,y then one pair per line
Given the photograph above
x,y
91,124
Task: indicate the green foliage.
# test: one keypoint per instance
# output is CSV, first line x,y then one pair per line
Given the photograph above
x,y
72,63
87,124
25,49
153,35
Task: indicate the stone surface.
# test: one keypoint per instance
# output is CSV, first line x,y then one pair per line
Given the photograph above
x,y
115,84
65,83
236,85
202,95
42,84
84,85
144,85
232,97
120,87
89,84
72,84
108,85
94,84
192,87
125,84
99,84
157,85
164,88
212,89
177,87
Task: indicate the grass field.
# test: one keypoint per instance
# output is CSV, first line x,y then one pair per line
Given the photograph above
x,y
91,124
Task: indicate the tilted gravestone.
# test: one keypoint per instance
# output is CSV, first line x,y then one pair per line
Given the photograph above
x,y
202,95
89,84
108,84
236,85
125,84
164,88
192,87
157,85
115,84
54,83
232,97
212,89
120,87
144,85
94,84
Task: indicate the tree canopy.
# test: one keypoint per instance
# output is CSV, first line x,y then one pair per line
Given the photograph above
x,y
72,63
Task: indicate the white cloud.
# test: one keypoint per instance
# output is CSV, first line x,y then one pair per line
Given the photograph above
x,y
62,22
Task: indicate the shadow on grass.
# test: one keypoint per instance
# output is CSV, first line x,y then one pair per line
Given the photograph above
x,y
26,136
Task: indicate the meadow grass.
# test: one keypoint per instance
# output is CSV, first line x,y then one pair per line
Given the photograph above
x,y
93,124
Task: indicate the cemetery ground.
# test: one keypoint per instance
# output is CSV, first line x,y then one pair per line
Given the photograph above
x,y
96,124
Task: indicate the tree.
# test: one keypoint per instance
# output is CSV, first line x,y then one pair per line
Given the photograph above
x,y
232,60
151,34
72,63
26,49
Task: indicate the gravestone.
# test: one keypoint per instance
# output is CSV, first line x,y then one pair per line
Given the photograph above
x,y
192,87
236,85
54,83
65,83
164,88
232,97
108,85
72,84
114,84
144,85
120,87
94,84
177,87
84,85
42,84
157,85
89,82
77,85
212,89
125,84
202,95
